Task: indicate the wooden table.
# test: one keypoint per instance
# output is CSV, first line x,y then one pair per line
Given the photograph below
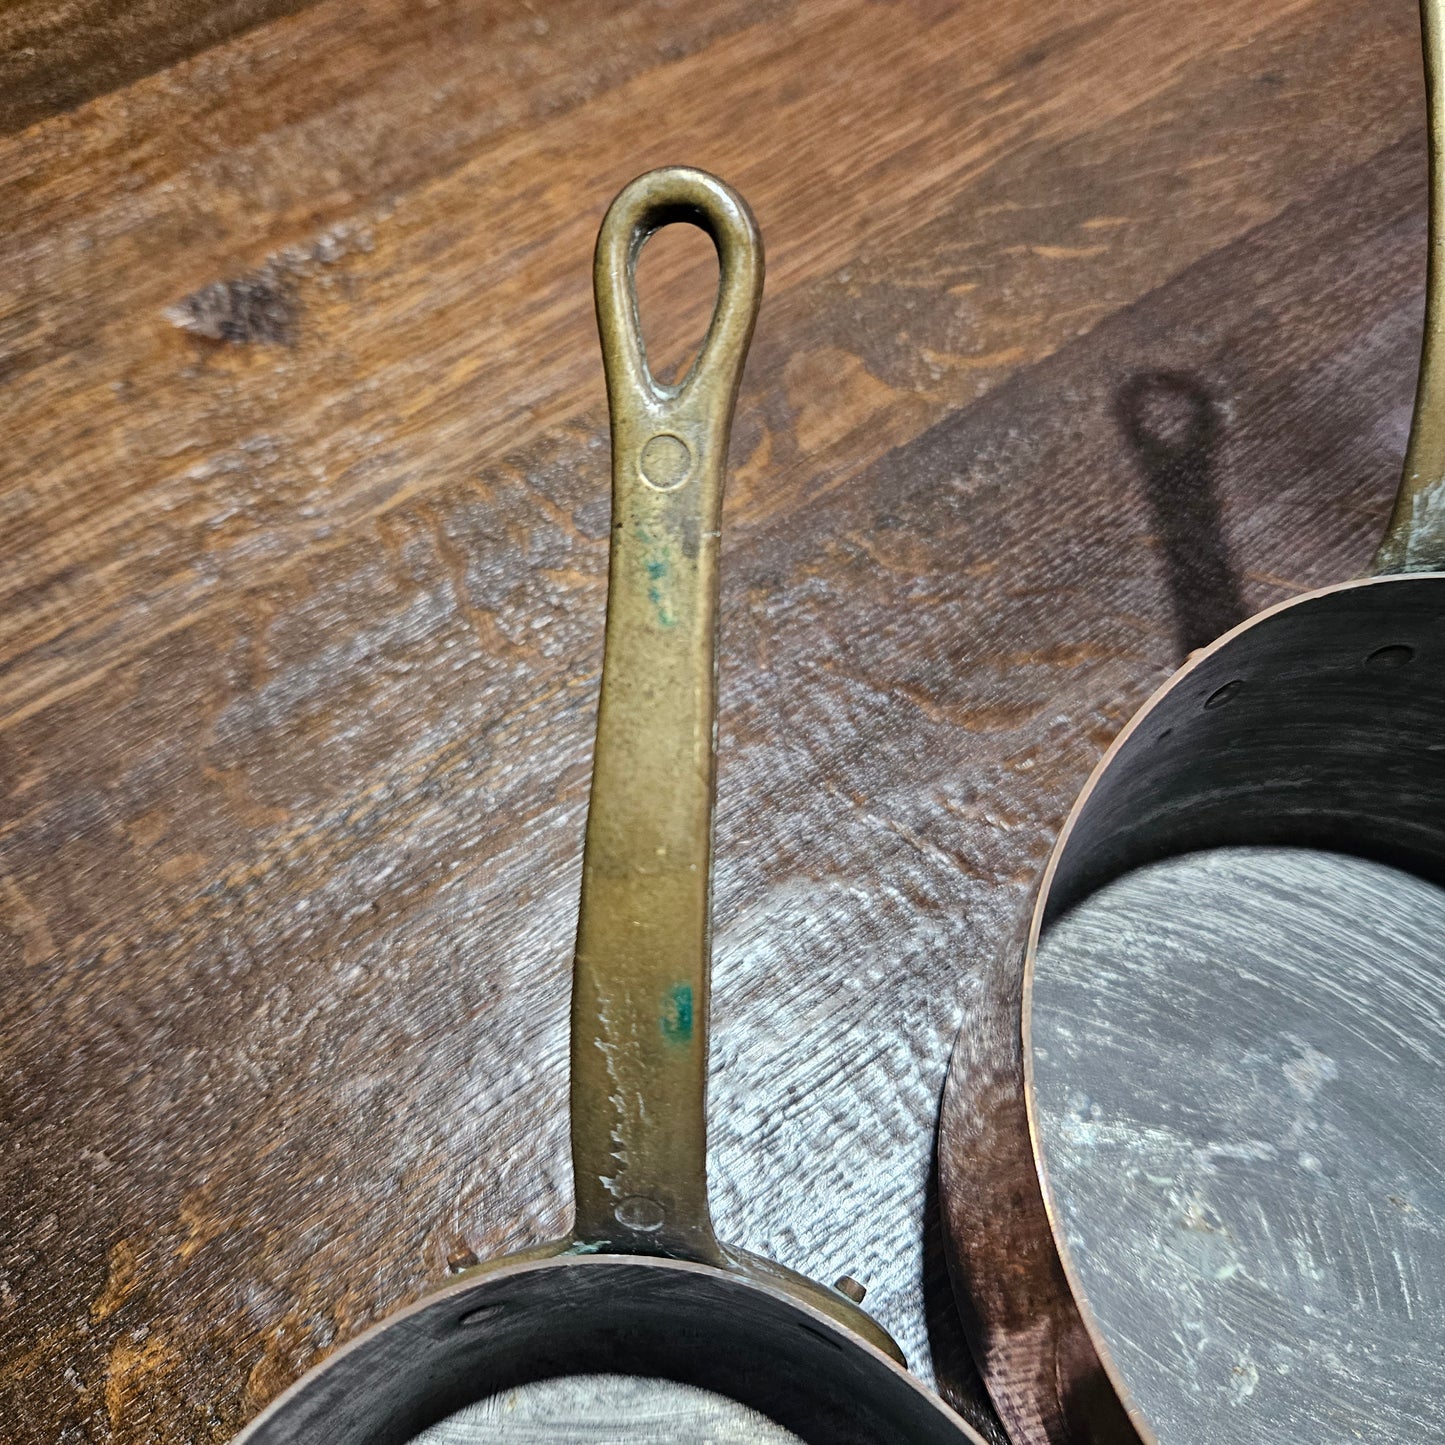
x,y
1090,324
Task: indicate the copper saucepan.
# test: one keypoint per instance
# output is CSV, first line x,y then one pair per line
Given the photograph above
x,y
642,1286
1284,1044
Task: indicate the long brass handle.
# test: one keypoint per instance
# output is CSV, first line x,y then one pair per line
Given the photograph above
x,y
1415,538
641,976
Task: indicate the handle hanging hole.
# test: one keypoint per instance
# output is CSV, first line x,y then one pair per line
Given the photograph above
x,y
676,280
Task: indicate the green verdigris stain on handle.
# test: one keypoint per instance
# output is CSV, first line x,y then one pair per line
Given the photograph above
x,y
676,1019
657,569
658,565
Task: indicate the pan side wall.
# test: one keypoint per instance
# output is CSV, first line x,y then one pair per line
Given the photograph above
x,y
583,1316
1321,725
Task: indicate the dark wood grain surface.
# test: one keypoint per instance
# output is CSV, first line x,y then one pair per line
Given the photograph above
x,y
57,54
304,525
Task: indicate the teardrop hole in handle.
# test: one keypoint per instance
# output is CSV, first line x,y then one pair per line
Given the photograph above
x,y
658,199
676,278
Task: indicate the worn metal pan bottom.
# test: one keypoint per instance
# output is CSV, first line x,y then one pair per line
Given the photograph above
x,y
607,1410
1239,1076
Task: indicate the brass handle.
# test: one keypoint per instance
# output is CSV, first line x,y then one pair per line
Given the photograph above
x,y
1415,538
640,982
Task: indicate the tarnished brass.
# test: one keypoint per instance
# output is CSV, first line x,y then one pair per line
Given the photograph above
x,y
642,1285
641,981
640,989
1415,538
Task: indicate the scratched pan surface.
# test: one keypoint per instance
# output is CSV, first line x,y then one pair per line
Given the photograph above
x,y
641,1287
606,1410
1239,1076
1318,728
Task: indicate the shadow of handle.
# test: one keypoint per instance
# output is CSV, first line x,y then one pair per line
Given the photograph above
x,y
1173,426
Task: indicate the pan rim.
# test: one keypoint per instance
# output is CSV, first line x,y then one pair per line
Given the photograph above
x,y
516,1266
